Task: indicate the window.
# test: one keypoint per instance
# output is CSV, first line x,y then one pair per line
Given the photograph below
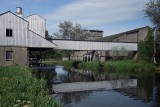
x,y
9,32
9,55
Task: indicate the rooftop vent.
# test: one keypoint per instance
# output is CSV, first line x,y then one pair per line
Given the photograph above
x,y
19,11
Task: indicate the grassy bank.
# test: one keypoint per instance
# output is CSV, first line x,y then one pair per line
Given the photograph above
x,y
19,89
123,65
128,65
60,62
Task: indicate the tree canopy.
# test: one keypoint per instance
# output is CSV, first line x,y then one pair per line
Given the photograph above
x,y
146,48
152,10
68,30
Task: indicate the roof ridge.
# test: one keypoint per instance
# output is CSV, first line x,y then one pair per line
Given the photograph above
x,y
34,14
13,14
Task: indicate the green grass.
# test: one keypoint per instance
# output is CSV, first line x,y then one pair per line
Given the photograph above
x,y
18,88
94,65
128,65
109,66
60,62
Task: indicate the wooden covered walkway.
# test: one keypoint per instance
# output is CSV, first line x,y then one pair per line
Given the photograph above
x,y
93,45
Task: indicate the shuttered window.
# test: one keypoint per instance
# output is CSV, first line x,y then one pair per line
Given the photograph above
x,y
9,32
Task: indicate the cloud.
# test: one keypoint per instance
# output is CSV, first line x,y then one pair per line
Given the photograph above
x,y
93,12
98,12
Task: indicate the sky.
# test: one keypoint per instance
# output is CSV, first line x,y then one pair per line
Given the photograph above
x,y
110,16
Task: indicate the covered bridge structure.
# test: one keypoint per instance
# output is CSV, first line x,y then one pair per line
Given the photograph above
x,y
82,45
19,35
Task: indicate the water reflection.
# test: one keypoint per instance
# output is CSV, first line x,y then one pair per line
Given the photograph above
x,y
75,97
145,94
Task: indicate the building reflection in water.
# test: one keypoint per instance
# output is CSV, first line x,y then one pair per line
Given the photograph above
x,y
147,90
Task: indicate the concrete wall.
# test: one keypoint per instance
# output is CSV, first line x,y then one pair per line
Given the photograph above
x,y
127,38
78,55
133,36
142,34
20,56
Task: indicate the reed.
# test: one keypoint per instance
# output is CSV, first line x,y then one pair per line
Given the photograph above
x,y
19,89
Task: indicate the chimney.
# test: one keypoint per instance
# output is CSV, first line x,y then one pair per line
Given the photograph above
x,y
19,12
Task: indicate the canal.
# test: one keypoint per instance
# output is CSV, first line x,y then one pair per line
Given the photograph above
x,y
84,88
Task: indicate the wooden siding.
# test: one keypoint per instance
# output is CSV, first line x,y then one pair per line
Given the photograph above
x,y
19,30
36,41
36,24
93,45
22,36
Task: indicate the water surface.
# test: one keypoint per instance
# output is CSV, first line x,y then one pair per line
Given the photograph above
x,y
145,93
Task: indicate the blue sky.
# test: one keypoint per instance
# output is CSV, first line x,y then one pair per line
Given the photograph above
x,y
111,16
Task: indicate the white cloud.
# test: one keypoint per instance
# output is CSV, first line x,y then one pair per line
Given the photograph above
x,y
98,12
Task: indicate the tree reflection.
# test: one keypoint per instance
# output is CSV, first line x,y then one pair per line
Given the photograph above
x,y
67,98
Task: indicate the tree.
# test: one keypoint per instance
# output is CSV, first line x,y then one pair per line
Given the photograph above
x,y
78,33
146,48
47,36
67,30
118,53
152,10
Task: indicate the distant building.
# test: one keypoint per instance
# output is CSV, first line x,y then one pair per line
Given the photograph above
x,y
134,35
18,35
95,34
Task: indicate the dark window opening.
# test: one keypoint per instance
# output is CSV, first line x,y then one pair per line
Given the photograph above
x,y
9,55
9,32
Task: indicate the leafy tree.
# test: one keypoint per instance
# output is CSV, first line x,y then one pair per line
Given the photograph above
x,y
47,36
152,10
45,54
78,33
146,48
118,53
67,30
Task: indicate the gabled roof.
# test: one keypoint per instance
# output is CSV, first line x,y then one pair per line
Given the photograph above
x,y
36,15
13,14
112,37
